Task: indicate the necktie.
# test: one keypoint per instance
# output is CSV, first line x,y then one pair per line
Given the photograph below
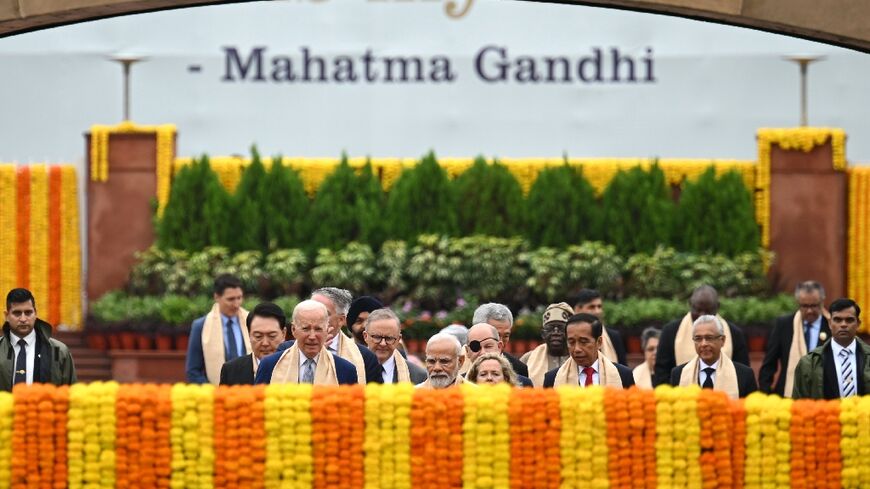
x,y
232,346
588,371
708,382
846,380
21,363
308,371
808,328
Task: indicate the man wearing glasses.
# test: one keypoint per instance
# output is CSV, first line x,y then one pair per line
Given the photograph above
x,y
484,338
28,353
382,334
711,368
793,336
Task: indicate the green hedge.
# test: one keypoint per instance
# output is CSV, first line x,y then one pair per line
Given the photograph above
x,y
637,212
123,311
437,270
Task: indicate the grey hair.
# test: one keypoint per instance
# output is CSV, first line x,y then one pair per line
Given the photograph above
x,y
648,334
457,331
809,287
381,315
445,337
708,319
310,305
492,310
340,297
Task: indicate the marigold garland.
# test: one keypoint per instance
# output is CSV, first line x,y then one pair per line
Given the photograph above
x,y
91,435
192,436
23,226
436,435
486,437
858,237
584,437
8,227
387,445
165,149
289,459
7,413
39,232
337,437
239,436
70,251
143,453
54,273
797,138
535,432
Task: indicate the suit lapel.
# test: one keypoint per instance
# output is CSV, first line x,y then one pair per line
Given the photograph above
x,y
830,383
860,358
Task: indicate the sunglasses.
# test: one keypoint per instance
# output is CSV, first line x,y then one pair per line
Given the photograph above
x,y
476,346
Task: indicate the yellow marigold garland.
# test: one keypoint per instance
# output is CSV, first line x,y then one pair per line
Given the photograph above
x,y
850,443
798,138
584,437
165,141
91,435
486,437
6,416
289,461
858,237
70,251
387,443
768,445
191,436
8,227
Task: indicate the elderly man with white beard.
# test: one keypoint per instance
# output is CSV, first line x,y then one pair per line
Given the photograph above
x,y
443,360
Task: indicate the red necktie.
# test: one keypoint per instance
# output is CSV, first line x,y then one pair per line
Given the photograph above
x,y
588,371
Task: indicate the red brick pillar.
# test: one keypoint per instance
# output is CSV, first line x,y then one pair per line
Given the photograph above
x,y
808,219
120,210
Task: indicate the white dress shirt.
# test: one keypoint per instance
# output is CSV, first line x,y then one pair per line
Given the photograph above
x,y
595,376
836,348
815,328
30,351
389,370
702,376
333,345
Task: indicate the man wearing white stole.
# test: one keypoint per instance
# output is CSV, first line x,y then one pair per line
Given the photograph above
x,y
307,361
711,368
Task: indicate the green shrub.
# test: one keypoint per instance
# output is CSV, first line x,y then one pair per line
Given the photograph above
x,y
554,275
490,268
333,219
285,271
247,266
637,211
561,208
422,201
489,200
370,207
198,212
392,267
352,267
250,208
284,201
716,214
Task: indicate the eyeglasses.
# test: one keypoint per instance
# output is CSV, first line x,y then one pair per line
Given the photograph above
x,y
476,346
386,339
708,339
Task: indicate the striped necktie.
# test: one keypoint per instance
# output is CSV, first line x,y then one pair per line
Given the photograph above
x,y
847,380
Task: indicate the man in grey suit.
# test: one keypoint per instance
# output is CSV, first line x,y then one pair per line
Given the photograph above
x,y
382,335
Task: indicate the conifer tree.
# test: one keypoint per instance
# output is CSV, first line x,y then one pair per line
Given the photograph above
x,y
286,205
490,200
333,216
561,208
422,201
370,204
249,223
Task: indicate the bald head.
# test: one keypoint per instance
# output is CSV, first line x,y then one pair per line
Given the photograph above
x,y
704,301
482,338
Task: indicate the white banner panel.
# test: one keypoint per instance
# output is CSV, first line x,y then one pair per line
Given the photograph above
x,y
397,78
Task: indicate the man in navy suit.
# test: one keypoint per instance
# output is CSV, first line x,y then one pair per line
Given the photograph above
x,y
267,327
306,360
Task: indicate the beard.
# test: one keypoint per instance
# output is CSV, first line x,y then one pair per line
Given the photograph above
x,y
441,381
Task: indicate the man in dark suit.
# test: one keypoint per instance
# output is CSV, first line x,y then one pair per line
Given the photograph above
x,y
587,365
711,369
590,302
267,328
841,366
500,317
382,332
675,342
792,337
306,360
484,338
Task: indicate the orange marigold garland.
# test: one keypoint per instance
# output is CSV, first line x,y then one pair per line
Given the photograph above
x,y
619,433
337,436
239,437
716,443
142,451
23,227
738,442
436,435
535,430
